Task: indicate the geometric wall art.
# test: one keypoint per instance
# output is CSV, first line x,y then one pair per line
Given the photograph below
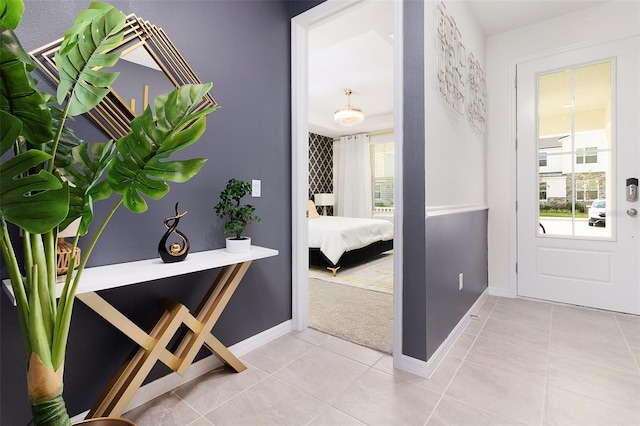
x,y
320,166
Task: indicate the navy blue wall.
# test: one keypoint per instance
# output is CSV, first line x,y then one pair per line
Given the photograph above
x,y
456,243
299,6
244,48
436,249
414,296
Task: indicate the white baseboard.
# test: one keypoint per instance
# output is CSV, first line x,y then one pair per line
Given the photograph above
x,y
426,368
411,365
499,292
173,380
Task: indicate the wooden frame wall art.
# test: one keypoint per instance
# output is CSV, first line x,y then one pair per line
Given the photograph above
x,y
145,44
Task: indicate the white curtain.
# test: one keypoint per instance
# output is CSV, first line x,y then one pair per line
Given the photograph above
x,y
352,176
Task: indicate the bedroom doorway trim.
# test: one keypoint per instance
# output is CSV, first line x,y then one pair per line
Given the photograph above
x,y
300,26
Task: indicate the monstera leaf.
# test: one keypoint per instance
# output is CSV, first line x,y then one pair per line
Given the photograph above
x,y
11,128
18,94
140,165
82,55
68,138
38,202
10,15
85,187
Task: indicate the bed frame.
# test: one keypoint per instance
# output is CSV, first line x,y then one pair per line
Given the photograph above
x,y
351,257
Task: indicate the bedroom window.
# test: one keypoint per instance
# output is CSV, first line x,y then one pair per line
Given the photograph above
x,y
382,161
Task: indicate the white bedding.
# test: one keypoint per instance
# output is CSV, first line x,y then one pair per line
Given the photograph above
x,y
335,235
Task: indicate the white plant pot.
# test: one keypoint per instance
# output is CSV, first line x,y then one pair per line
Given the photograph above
x,y
238,246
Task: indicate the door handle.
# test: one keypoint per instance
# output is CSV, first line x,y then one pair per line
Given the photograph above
x,y
632,212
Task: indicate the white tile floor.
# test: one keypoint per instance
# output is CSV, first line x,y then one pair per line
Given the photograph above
x,y
520,362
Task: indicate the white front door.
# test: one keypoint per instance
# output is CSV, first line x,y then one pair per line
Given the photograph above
x,y
578,121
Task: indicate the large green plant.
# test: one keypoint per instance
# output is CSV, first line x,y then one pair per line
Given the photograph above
x,y
49,178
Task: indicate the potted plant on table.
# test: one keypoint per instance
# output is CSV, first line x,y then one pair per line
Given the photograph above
x,y
239,216
49,178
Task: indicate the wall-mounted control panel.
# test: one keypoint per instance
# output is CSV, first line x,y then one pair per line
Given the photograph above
x,y
632,189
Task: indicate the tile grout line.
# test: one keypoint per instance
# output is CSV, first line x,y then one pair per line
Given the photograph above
x,y
269,374
626,341
238,394
330,404
347,388
435,407
608,367
545,401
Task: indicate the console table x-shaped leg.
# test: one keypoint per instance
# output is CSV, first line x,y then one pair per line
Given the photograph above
x,y
153,346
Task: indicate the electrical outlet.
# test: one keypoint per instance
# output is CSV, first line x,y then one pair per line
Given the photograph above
x,y
460,281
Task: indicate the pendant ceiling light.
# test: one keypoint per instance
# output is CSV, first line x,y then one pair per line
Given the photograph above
x,y
348,116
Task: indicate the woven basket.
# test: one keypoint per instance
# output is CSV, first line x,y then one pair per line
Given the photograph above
x,y
63,250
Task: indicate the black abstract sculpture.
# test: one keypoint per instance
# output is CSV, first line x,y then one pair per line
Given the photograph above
x,y
175,251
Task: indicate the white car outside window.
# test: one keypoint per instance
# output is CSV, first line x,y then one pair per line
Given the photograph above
x,y
598,213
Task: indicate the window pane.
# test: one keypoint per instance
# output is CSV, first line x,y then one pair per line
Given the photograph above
x,y
382,168
542,159
574,150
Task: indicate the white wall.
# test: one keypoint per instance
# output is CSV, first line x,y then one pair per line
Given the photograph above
x,y
503,52
454,151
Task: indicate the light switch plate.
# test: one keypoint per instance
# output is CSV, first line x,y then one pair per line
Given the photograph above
x,y
256,188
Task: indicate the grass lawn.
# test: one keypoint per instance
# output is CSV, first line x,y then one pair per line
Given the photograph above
x,y
561,213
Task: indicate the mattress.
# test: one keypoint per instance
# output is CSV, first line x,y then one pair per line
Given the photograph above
x,y
335,235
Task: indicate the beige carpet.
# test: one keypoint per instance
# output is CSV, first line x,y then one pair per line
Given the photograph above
x,y
376,274
355,314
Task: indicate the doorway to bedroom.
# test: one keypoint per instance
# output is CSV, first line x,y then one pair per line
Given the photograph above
x,y
351,175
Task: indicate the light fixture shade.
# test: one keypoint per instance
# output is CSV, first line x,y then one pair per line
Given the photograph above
x,y
324,199
348,116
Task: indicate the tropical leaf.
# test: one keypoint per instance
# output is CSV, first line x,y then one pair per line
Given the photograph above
x,y
18,93
11,13
36,203
68,138
140,166
11,128
83,53
83,178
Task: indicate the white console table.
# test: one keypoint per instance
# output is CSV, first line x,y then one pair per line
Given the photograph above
x,y
153,345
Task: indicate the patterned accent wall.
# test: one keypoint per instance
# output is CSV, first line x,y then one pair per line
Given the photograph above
x,y
320,166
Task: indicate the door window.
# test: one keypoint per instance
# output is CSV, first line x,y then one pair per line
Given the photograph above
x,y
574,122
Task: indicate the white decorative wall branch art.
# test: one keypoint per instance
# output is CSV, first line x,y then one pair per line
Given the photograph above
x,y
454,76
477,95
452,60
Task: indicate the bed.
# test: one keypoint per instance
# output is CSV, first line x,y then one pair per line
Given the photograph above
x,y
341,241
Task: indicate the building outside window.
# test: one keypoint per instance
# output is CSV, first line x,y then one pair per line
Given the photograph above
x,y
587,155
382,164
542,159
543,191
587,190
